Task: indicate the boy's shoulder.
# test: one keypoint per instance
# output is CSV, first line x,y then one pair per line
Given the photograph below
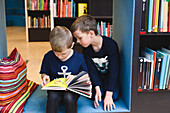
x,y
109,40
78,54
49,53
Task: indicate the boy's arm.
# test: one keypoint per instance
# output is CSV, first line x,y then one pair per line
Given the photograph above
x,y
113,66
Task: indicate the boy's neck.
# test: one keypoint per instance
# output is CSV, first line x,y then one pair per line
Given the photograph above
x,y
97,43
71,53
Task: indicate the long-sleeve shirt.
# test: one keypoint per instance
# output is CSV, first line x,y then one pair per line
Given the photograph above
x,y
103,64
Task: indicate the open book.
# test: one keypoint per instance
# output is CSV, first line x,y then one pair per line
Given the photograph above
x,y
80,84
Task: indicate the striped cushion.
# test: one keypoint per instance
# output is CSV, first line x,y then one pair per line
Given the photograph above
x,y
17,105
13,81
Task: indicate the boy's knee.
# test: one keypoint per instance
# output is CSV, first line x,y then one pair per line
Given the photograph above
x,y
53,96
70,97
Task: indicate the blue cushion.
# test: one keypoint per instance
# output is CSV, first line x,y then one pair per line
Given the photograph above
x,y
37,104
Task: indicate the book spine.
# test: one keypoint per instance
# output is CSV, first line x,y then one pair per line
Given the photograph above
x,y
157,73
71,8
150,15
140,73
143,16
165,17
154,13
161,16
156,16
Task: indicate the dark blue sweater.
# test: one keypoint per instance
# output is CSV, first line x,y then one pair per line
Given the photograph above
x,y
54,67
103,64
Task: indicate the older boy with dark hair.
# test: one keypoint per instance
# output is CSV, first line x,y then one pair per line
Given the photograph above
x,y
102,59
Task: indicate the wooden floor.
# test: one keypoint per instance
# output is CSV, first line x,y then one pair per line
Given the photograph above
x,y
32,51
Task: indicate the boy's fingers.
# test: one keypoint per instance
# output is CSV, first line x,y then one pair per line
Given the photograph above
x,y
95,105
114,107
108,107
104,107
100,98
96,100
111,107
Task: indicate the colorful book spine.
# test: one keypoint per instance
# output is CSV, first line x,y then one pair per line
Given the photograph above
x,y
161,17
156,16
152,57
163,69
157,73
154,13
169,18
71,8
165,17
150,15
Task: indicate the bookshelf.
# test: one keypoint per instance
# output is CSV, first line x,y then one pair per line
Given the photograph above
x,y
38,22
34,34
147,101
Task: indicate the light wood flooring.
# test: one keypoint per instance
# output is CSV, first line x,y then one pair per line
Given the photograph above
x,y
32,51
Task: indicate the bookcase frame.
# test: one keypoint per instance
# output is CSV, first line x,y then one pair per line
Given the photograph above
x,y
36,34
148,101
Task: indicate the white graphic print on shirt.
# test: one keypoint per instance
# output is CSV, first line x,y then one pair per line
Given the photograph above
x,y
64,69
101,64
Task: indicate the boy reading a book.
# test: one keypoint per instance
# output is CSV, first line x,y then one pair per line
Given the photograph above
x,y
102,59
61,61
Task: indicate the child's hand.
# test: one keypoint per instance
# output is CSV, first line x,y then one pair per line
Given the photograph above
x,y
108,101
69,78
45,80
97,96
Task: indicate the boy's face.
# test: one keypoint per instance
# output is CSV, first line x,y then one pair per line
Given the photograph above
x,y
63,56
83,39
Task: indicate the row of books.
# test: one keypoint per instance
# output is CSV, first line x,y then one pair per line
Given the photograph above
x,y
104,29
154,17
154,70
64,8
39,22
38,4
67,8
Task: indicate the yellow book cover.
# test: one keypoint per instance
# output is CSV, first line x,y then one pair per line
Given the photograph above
x,y
81,84
60,82
82,9
156,16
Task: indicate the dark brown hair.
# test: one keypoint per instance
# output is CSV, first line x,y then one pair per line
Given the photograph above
x,y
84,23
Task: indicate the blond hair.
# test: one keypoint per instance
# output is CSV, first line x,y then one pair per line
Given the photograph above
x,y
60,38
84,23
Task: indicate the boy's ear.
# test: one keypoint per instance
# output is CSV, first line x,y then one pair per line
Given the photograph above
x,y
92,33
72,44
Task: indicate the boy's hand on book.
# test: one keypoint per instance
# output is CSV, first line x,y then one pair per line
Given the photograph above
x,y
108,101
97,96
69,78
46,79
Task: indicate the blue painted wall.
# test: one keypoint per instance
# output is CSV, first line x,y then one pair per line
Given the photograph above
x,y
3,42
123,27
15,12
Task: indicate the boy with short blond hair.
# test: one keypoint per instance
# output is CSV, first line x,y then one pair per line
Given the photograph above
x,y
61,61
102,59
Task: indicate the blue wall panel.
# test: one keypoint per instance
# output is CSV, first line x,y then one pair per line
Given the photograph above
x,y
15,12
123,27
